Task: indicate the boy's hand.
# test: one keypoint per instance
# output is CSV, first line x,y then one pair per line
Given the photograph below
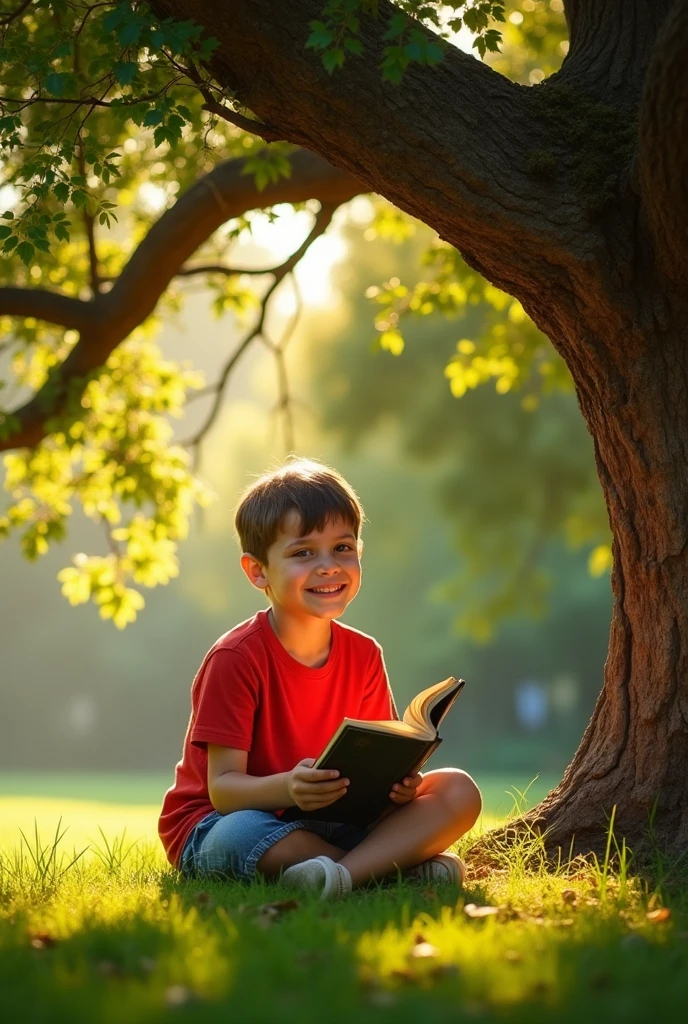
x,y
404,791
312,788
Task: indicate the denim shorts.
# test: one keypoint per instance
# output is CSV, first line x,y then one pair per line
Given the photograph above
x,y
231,845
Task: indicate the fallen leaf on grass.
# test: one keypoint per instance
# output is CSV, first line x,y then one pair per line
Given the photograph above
x,y
42,940
472,910
659,915
569,896
267,913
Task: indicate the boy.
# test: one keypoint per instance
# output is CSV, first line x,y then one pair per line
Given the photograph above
x,y
268,697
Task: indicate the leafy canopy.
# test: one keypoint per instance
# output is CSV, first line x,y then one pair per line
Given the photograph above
x,y
106,115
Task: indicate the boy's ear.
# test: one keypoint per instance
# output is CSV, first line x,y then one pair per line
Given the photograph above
x,y
254,571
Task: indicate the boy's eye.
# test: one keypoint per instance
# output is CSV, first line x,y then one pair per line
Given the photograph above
x,y
302,551
344,547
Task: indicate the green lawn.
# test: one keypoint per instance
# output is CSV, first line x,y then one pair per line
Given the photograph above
x,y
148,787
130,803
119,936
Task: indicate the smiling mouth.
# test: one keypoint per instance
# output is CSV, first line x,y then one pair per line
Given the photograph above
x,y
336,589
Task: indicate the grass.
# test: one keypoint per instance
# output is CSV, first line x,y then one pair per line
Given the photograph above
x,y
111,933
146,788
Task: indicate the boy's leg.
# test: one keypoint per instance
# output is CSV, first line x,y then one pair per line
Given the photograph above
x,y
296,847
446,806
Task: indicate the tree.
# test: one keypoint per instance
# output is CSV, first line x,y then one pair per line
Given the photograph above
x,y
568,196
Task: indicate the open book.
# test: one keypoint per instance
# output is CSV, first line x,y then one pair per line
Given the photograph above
x,y
375,755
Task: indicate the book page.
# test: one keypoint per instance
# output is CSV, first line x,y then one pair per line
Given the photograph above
x,y
428,708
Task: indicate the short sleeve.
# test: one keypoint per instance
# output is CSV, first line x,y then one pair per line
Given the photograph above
x,y
377,704
225,701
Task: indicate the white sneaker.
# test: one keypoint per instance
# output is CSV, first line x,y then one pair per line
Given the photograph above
x,y
320,874
445,867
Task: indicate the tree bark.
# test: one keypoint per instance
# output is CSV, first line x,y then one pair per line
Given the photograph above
x,y
634,754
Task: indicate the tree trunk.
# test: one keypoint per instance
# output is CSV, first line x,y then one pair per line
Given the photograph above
x,y
634,754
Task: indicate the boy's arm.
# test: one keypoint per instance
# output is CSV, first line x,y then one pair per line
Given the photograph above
x,y
231,789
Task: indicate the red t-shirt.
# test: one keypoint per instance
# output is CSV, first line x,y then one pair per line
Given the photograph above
x,y
251,694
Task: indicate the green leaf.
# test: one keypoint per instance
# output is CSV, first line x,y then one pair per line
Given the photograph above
x,y
162,134
354,46
153,116
40,243
130,34
398,24
25,252
435,54
5,231
61,191
333,59
320,37
10,243
54,83
125,72
63,49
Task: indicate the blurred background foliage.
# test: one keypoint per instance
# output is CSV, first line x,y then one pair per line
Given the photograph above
x,y
487,541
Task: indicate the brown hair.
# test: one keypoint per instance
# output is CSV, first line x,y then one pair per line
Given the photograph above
x,y
317,493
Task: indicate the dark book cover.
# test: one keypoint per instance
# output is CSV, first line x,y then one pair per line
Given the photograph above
x,y
372,761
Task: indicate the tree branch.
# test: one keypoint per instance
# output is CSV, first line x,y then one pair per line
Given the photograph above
x,y
663,150
247,124
322,221
218,268
451,145
89,226
52,307
107,319
285,402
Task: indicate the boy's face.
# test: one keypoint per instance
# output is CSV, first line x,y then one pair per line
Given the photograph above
x,y
317,575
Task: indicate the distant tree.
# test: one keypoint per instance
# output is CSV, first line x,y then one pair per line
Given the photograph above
x,y
569,196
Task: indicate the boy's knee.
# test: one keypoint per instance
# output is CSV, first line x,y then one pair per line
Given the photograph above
x,y
460,794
